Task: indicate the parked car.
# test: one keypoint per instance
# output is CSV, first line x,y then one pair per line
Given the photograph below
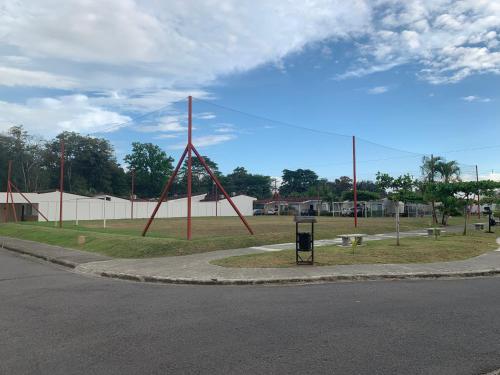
x,y
258,212
350,211
272,212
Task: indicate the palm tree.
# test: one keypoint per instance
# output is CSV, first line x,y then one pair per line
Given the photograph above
x,y
430,173
449,171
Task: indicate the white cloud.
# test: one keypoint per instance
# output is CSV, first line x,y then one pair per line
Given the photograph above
x,y
204,116
19,77
225,128
143,55
473,98
49,116
378,90
206,140
450,40
123,44
168,124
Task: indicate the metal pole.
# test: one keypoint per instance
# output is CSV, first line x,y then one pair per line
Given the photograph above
x,y
61,185
189,169
355,190
24,196
132,195
397,222
478,203
216,200
6,212
9,192
216,180
104,213
12,202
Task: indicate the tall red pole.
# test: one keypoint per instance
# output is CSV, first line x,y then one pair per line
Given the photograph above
x,y
61,185
478,202
355,189
9,192
132,195
216,201
6,212
189,171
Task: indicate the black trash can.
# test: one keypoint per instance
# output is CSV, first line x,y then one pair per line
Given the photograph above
x,y
304,241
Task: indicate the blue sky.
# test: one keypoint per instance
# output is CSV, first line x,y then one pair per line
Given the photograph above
x,y
406,77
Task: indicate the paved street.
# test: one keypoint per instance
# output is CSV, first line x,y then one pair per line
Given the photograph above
x,y
54,321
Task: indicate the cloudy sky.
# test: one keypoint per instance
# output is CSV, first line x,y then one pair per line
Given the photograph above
x,y
418,76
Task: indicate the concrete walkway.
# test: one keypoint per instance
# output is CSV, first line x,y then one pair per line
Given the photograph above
x,y
196,269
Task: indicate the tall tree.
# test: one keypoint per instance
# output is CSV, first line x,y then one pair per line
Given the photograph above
x,y
152,168
242,182
397,189
201,181
449,171
297,182
89,164
430,173
25,151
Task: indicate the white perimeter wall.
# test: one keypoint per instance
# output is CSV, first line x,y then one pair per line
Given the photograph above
x,y
83,208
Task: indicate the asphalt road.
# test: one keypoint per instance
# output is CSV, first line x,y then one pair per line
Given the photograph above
x,y
53,321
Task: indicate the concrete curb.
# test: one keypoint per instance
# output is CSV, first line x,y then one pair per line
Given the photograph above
x,y
80,267
60,262
70,258
299,280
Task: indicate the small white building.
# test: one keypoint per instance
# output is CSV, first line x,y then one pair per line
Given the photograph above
x,y
78,207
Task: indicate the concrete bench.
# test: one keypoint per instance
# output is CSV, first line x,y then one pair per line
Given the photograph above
x,y
479,226
347,239
434,231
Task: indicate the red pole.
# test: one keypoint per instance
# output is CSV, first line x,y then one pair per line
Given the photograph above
x,y
27,200
132,195
12,203
61,185
189,171
216,180
6,212
9,192
355,189
165,191
478,202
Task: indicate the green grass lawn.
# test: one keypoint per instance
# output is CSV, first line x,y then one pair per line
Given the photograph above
x,y
412,250
122,238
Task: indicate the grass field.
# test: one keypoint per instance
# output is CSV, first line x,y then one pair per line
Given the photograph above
x,y
122,238
412,250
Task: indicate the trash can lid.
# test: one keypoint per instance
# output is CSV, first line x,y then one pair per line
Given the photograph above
x,y
305,219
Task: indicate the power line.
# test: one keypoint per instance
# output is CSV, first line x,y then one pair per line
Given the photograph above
x,y
112,126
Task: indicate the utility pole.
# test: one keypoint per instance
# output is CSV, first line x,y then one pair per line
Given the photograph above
x,y
277,194
61,185
190,165
355,189
478,202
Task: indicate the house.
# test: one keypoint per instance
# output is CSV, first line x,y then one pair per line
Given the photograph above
x,y
291,205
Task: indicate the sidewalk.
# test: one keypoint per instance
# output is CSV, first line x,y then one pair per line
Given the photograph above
x,y
196,269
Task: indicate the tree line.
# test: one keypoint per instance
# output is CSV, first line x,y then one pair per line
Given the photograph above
x,y
91,168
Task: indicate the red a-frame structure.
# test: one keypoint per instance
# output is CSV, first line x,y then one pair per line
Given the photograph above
x,y
11,185
188,151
